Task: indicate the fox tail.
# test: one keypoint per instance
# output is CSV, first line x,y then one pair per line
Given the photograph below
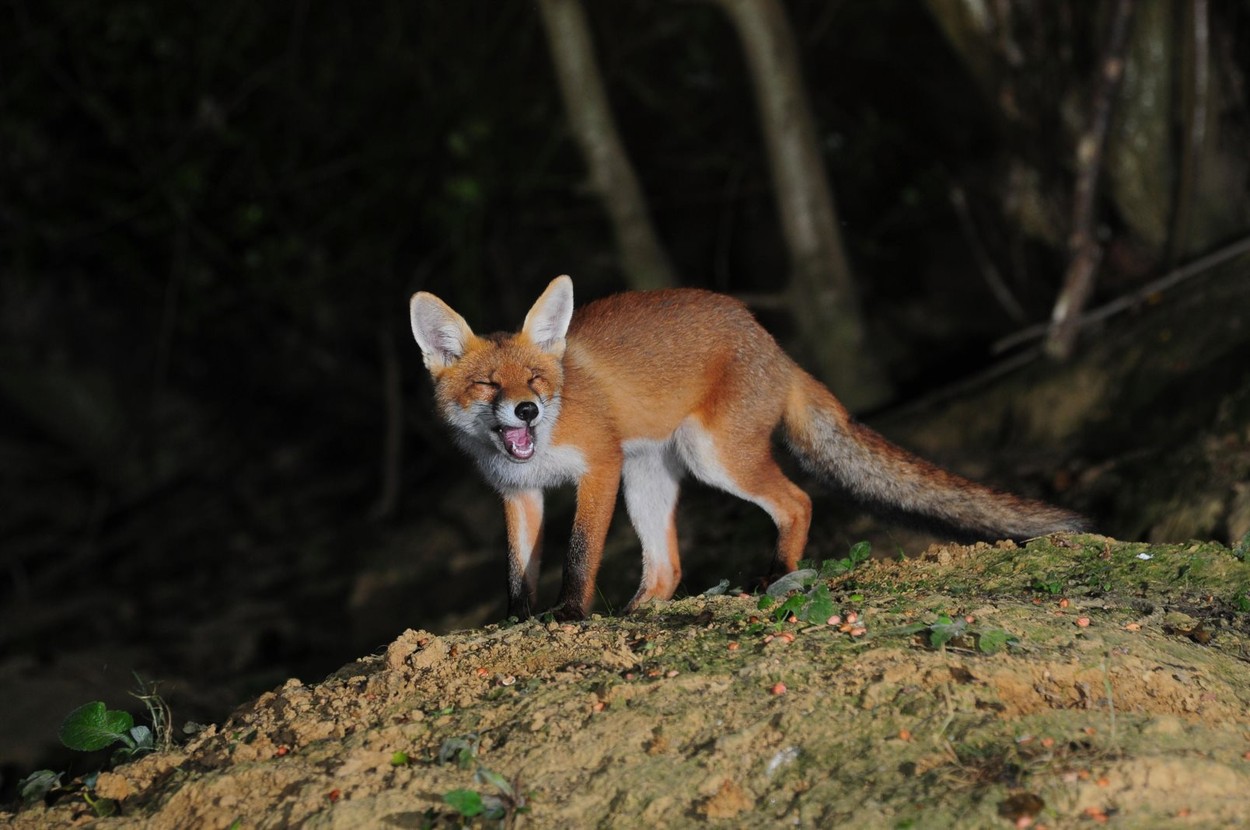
x,y
889,479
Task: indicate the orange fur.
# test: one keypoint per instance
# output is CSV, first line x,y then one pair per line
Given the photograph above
x,y
645,387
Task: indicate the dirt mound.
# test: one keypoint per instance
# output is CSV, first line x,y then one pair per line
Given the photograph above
x,y
1072,683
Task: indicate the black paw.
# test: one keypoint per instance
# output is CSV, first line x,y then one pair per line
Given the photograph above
x,y
566,612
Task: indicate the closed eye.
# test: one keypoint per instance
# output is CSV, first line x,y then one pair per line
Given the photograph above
x,y
489,383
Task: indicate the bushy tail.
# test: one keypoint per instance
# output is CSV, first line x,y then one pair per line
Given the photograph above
x,y
890,479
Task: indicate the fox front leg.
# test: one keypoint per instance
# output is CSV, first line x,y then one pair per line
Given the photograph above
x,y
596,500
523,511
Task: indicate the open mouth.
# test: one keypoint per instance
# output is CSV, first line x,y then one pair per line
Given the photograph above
x,y
518,441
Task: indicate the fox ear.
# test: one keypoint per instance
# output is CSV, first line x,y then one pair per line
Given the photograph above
x,y
548,321
442,334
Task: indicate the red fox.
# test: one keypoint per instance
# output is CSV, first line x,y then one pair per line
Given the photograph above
x,y
643,387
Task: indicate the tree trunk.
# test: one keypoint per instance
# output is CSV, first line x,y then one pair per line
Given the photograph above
x,y
611,176
822,290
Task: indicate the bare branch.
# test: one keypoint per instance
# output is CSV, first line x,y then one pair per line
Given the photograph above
x,y
1085,251
1169,280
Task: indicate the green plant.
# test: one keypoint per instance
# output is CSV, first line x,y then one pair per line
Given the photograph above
x,y
859,553
806,592
504,805
959,631
1241,550
1050,585
813,606
35,787
94,726
462,750
467,803
158,713
102,807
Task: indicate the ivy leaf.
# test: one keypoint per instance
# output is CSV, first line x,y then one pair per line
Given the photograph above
x,y
93,726
38,784
819,606
834,567
142,736
467,803
793,605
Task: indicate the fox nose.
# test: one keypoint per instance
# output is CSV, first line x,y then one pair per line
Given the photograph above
x,y
527,411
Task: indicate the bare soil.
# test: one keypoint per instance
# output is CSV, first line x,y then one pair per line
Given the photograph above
x,y
1123,696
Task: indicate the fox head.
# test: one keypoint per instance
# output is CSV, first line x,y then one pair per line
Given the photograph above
x,y
500,392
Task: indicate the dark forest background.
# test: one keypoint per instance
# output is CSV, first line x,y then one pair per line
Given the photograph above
x,y
219,465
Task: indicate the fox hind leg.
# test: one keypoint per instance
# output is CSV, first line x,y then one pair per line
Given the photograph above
x,y
741,462
652,479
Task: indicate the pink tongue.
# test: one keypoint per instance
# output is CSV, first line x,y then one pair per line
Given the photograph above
x,y
518,442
